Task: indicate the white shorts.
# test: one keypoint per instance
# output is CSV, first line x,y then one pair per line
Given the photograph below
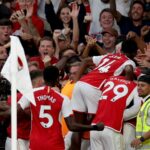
x,y
67,140
21,144
128,135
106,139
85,144
85,98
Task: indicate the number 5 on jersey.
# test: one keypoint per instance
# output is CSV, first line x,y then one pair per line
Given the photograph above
x,y
46,115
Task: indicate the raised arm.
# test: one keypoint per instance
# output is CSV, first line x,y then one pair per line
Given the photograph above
x,y
74,15
140,43
51,17
116,13
129,73
91,43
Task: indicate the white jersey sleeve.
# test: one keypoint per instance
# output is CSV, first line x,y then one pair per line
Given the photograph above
x,y
97,59
123,66
129,62
24,102
66,107
132,111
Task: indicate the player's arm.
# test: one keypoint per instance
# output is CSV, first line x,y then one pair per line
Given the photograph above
x,y
84,65
5,110
131,111
77,127
70,120
129,72
116,13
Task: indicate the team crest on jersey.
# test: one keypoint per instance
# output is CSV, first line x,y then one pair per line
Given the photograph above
x,y
20,64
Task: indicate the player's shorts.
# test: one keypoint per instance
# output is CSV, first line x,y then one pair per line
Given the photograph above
x,y
85,98
106,139
128,135
67,140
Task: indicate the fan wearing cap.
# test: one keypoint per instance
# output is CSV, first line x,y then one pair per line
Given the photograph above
x,y
109,40
142,141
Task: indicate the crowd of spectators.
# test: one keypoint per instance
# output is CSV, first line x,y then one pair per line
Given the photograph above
x,y
65,32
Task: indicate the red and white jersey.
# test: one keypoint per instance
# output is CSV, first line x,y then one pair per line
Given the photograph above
x,y
46,119
106,66
117,93
23,123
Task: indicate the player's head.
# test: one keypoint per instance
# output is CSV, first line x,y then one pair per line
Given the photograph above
x,y
51,75
37,78
129,48
144,85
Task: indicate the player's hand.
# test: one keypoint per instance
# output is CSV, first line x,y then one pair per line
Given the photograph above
x,y
100,126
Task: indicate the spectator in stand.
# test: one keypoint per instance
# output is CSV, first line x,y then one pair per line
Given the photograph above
x,y
106,21
41,13
5,31
98,5
147,10
46,53
94,48
4,93
67,90
145,33
109,40
3,56
135,20
25,19
64,18
143,59
5,10
66,38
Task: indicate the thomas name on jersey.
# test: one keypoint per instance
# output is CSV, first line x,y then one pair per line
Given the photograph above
x,y
46,97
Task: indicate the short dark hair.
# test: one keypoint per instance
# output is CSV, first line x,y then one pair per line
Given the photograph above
x,y
138,2
129,47
106,10
47,38
51,75
35,74
144,78
5,22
